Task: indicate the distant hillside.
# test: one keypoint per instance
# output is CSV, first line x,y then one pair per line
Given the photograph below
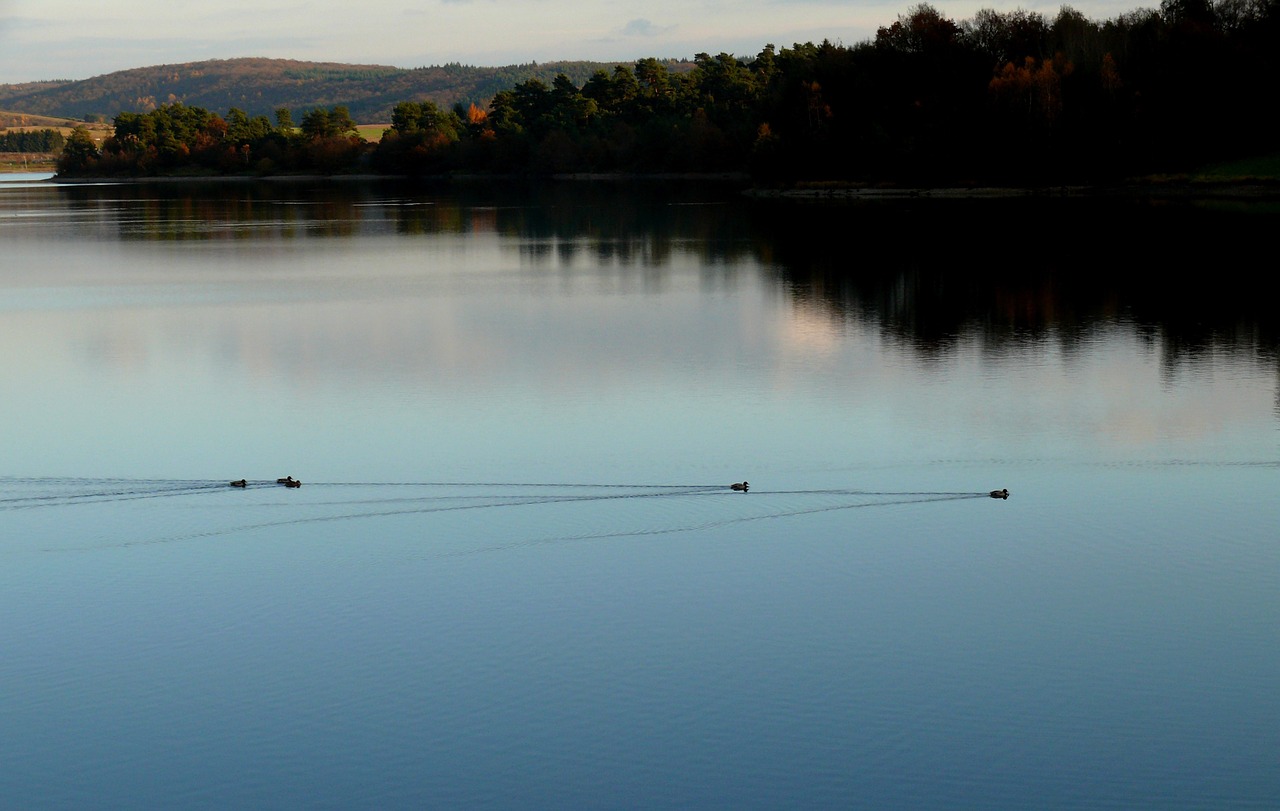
x,y
259,86
26,121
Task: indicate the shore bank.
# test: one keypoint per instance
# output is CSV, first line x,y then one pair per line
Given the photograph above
x,y
1180,187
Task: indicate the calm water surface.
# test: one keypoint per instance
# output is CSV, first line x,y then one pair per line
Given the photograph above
x,y
515,577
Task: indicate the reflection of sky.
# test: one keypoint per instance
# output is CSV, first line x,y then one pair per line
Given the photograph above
x,y
481,362
453,356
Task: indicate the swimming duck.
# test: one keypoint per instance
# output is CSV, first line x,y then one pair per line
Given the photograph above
x,y
239,483
287,481
293,483
1000,493
740,486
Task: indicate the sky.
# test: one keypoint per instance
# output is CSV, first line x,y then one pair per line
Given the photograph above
x,y
74,39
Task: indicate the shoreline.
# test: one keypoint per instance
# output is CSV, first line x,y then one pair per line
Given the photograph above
x,y
1187,188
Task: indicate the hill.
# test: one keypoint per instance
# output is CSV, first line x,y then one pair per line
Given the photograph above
x,y
259,86
25,121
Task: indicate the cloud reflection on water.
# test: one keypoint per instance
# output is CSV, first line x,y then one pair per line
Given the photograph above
x,y
575,315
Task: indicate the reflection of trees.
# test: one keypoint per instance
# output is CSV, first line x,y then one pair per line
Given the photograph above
x,y
930,272
220,210
635,224
927,273
631,224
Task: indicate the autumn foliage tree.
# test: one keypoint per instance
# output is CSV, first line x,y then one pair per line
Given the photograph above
x,y
80,154
1008,97
420,139
177,139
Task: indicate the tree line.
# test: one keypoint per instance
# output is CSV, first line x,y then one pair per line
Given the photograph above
x,y
1001,97
43,141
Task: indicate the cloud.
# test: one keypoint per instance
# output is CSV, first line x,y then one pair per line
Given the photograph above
x,y
641,27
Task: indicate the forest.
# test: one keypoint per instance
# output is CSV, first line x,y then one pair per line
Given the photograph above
x,y
1004,97
41,141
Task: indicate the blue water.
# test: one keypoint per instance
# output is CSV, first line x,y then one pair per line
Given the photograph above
x,y
515,576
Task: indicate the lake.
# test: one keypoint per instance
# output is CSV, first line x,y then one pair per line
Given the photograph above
x,y
515,575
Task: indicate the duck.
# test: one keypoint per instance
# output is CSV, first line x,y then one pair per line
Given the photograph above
x,y
239,483
287,481
1000,493
741,487
292,482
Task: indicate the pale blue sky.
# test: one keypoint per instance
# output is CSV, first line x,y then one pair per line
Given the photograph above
x,y
73,39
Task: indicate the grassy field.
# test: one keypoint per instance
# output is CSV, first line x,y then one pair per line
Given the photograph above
x,y
26,121
11,162
371,132
23,122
